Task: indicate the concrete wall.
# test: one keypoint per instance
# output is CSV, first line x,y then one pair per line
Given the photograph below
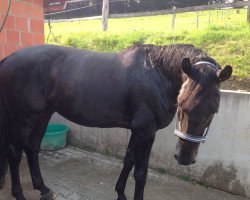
x,y
223,161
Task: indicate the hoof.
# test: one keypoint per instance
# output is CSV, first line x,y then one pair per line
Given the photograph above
x,y
19,196
49,196
22,198
122,197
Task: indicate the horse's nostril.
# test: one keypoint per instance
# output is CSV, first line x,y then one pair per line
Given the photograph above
x,y
175,156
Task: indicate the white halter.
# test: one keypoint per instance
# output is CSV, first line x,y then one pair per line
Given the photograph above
x,y
194,138
191,138
207,63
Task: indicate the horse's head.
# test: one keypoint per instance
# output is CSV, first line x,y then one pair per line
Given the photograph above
x,y
198,101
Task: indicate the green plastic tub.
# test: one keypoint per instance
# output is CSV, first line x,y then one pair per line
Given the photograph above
x,y
55,137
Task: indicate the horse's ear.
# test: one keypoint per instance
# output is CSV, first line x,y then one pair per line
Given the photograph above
x,y
225,73
187,66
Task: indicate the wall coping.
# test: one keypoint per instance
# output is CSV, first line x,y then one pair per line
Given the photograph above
x,y
235,92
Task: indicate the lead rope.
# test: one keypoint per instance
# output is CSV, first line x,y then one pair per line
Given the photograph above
x,y
51,33
6,16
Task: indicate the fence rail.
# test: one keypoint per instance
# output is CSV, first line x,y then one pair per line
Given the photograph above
x,y
163,12
182,10
195,17
201,19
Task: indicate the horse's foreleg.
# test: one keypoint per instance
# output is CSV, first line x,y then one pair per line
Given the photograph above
x,y
142,153
14,158
129,162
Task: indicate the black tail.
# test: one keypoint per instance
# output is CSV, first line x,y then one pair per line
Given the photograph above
x,y
4,120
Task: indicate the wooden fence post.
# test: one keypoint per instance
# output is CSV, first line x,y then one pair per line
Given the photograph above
x,y
197,19
167,22
105,14
209,18
248,12
173,21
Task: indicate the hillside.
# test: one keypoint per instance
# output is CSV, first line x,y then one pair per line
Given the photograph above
x,y
226,39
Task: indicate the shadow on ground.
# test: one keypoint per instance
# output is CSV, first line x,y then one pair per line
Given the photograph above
x,y
74,174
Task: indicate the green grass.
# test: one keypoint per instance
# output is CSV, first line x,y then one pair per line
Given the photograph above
x,y
160,170
226,38
160,23
187,179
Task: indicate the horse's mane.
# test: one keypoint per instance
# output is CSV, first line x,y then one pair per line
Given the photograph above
x,y
170,57
168,60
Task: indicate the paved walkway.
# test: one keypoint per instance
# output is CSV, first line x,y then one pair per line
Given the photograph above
x,y
74,174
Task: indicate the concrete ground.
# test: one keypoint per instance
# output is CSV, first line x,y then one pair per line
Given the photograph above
x,y
74,174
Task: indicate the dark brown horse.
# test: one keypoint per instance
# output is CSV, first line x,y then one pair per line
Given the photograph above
x,y
140,88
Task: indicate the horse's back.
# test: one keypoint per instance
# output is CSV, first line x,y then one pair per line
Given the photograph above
x,y
87,87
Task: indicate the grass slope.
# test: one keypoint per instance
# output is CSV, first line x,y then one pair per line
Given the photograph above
x,y
226,38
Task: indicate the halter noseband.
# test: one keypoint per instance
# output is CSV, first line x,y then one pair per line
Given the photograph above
x,y
186,136
191,138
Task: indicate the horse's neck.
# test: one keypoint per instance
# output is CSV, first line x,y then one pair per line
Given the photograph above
x,y
175,76
168,61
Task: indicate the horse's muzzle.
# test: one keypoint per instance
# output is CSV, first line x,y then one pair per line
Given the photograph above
x,y
182,161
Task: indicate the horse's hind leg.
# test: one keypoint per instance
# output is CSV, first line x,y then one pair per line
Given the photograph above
x,y
37,180
18,138
32,150
15,155
129,161
38,184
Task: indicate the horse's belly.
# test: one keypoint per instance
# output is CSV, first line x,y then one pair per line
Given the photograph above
x,y
103,118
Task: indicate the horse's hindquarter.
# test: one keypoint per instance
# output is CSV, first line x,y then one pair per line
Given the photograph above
x,y
23,83
85,87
